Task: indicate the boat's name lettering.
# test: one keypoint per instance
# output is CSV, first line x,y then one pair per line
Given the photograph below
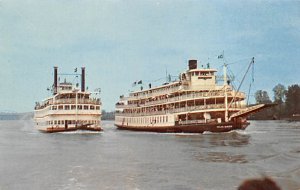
x,y
224,126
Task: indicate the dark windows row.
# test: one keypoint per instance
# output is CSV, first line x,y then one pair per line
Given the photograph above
x,y
73,107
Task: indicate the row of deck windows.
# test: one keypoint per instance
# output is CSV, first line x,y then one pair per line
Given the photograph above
x,y
198,73
62,122
73,107
148,120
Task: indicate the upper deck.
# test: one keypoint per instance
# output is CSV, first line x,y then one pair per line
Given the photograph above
x,y
69,98
67,93
194,79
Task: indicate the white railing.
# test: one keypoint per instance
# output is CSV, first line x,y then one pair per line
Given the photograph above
x,y
178,110
184,98
154,92
79,101
68,101
191,122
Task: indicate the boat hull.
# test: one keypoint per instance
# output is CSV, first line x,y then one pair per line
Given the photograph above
x,y
70,129
191,128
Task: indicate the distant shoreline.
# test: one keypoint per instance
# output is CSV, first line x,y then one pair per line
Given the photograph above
x,y
108,116
16,116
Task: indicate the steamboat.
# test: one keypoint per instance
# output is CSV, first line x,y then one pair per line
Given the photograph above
x,y
193,104
69,108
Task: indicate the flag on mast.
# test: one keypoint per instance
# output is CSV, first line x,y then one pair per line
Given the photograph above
x,y
221,56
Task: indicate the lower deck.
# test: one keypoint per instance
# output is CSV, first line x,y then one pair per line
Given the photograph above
x,y
58,123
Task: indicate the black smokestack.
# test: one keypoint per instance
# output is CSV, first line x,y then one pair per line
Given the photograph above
x,y
192,64
55,81
82,79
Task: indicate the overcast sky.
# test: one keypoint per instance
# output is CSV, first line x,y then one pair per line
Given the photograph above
x,y
120,42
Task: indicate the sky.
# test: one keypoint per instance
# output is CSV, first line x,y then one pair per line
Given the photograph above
x,y
120,42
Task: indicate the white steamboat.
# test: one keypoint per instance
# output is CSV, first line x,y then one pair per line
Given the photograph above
x,y
69,109
194,104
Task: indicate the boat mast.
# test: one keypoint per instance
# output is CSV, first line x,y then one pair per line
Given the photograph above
x,y
250,64
225,91
76,102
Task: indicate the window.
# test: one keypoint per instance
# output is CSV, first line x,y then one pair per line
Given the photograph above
x,y
55,122
79,107
67,107
73,107
97,107
54,107
86,107
61,107
92,107
58,122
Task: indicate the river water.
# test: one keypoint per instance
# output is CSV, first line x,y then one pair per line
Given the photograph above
x,y
116,159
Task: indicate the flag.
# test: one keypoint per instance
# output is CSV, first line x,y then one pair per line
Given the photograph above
x,y
134,84
140,82
75,70
98,90
220,56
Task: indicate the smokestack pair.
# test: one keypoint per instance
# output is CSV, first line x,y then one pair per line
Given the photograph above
x,y
82,80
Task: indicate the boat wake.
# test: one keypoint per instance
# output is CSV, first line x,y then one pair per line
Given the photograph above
x,y
239,132
80,132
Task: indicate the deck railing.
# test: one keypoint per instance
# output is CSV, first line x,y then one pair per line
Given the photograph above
x,y
199,121
155,92
184,98
95,101
178,110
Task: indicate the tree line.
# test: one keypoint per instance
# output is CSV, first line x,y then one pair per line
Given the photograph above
x,y
287,102
108,115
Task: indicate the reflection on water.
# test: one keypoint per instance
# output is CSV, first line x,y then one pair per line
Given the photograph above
x,y
233,139
221,157
213,143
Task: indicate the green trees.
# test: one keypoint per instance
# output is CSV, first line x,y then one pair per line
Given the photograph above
x,y
262,97
279,93
108,115
293,99
287,100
